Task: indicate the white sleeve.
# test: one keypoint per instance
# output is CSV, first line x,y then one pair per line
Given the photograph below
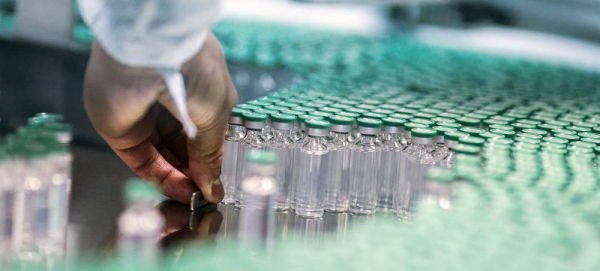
x,y
150,33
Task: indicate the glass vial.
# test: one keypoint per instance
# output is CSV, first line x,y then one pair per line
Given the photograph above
x,y
254,139
282,145
338,171
390,169
450,141
233,137
312,165
364,167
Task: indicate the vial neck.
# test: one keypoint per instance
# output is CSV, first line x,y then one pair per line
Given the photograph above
x,y
235,132
283,137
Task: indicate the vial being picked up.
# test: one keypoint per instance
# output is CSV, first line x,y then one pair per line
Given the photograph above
x,y
233,137
312,169
364,167
254,139
282,145
257,218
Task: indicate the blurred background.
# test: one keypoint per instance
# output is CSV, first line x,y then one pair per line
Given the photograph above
x,y
44,48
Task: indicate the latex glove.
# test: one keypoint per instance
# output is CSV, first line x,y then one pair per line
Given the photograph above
x,y
133,111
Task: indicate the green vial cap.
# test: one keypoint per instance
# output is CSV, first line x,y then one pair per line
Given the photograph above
x,y
423,133
367,107
531,136
341,120
393,122
368,122
564,132
501,141
330,110
303,109
258,103
556,140
548,127
283,118
247,107
291,112
325,115
468,122
357,110
317,124
349,114
409,126
472,131
450,125
489,122
589,135
455,136
382,111
535,132
442,120
591,140
578,129
583,144
253,116
522,126
401,116
423,121
488,135
472,140
505,133
423,115
449,115
341,106
407,111
466,149
264,111
441,130
568,137
276,107
306,117
501,127
373,115
261,157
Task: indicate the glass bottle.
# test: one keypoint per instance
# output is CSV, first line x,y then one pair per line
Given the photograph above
x,y
389,176
257,218
254,139
282,145
419,156
338,171
300,140
312,167
364,167
233,137
441,151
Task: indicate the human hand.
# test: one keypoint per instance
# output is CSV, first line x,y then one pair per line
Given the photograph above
x,y
134,113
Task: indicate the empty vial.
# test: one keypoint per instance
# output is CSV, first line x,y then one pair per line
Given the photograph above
x,y
282,145
257,218
301,140
419,156
451,140
338,171
441,151
254,139
233,137
389,169
312,167
364,167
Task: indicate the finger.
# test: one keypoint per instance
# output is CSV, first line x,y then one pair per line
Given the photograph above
x,y
172,135
145,160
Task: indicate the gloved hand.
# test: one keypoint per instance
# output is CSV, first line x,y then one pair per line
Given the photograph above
x,y
133,111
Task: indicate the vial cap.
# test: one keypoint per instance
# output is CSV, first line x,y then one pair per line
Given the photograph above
x,y
400,116
588,135
423,115
535,132
466,149
341,120
502,127
468,122
442,130
283,118
325,115
306,117
369,122
443,120
238,112
331,110
259,103
472,130
423,133
449,125
568,137
583,144
357,110
500,141
45,117
292,112
427,122
522,126
261,157
247,107
303,109
264,111
393,122
382,111
578,129
472,140
317,124
548,127
373,115
408,126
254,116
505,133
591,140
488,135
439,174
556,140
349,114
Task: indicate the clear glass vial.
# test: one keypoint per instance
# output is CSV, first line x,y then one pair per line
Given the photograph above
x,y
451,140
235,134
282,145
338,171
389,177
254,139
364,167
312,165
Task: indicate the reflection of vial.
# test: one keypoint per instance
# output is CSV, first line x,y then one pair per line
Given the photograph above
x,y
139,227
364,162
282,144
389,169
312,165
439,186
338,170
254,139
10,172
235,134
257,218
